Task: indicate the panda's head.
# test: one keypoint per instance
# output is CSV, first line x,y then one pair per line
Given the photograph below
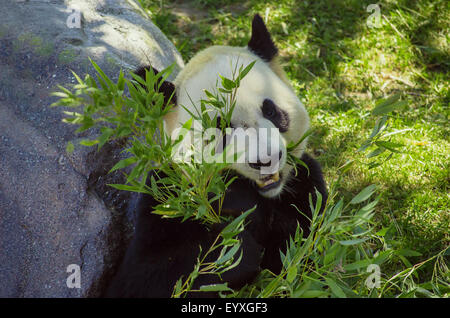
x,y
265,99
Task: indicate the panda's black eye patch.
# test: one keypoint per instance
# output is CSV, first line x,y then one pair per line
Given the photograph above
x,y
269,112
277,116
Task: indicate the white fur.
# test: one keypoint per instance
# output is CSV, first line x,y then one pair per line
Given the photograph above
x,y
263,81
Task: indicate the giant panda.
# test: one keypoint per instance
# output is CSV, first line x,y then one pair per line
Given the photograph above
x,y
163,250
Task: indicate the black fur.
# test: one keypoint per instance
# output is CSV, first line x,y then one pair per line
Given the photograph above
x,y
276,115
261,43
162,250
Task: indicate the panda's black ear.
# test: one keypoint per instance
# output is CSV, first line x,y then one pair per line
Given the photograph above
x,y
167,88
261,43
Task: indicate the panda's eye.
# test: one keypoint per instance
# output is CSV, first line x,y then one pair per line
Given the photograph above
x,y
269,109
270,113
276,115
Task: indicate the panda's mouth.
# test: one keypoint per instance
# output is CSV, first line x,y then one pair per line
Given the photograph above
x,y
268,182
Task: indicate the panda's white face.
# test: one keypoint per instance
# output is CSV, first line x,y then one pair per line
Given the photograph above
x,y
264,100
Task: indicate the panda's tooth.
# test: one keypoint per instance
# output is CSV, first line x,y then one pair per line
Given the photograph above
x,y
259,183
265,182
276,177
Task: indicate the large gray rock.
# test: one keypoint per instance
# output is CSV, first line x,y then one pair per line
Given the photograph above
x,y
55,208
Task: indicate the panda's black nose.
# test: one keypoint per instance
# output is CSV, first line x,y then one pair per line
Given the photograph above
x,y
258,164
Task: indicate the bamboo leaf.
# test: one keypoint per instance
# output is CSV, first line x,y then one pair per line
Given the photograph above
x,y
88,143
388,105
123,163
215,288
335,288
70,147
364,194
229,254
353,242
291,274
245,71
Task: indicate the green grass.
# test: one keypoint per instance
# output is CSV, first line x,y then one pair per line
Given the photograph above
x,y
339,68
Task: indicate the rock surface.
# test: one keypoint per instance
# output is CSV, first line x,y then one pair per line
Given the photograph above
x,y
55,208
